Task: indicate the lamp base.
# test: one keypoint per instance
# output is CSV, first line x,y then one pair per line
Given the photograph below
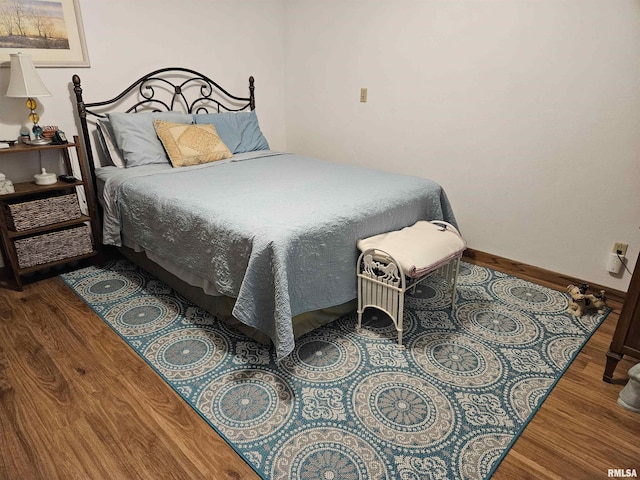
x,y
38,141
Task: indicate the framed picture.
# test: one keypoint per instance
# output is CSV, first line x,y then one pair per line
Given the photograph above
x,y
50,31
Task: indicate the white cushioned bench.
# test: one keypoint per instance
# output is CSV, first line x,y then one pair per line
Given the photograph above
x,y
394,262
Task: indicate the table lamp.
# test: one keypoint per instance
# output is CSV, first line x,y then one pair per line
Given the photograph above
x,y
26,83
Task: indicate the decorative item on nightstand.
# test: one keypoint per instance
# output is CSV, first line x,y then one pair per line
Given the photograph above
x,y
45,178
59,138
26,83
6,186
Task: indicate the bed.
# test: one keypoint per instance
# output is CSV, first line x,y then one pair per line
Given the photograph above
x,y
263,239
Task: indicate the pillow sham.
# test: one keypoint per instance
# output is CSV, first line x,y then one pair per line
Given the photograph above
x,y
137,139
239,130
108,143
191,144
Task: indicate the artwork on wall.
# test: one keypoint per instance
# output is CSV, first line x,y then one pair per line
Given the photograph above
x,y
50,31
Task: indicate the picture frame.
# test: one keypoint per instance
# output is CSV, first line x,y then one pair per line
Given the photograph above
x,y
51,31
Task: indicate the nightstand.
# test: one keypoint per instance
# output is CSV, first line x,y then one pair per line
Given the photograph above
x,y
43,226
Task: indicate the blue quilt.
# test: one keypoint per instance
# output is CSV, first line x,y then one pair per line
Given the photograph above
x,y
276,231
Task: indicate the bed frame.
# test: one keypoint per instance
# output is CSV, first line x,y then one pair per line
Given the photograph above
x,y
164,90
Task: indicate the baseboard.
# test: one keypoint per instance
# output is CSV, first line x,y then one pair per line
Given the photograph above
x,y
540,275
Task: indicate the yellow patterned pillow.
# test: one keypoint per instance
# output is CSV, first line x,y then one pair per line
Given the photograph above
x,y
190,144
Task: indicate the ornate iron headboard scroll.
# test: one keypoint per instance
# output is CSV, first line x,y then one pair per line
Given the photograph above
x,y
166,89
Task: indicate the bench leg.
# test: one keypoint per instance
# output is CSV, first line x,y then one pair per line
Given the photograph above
x,y
400,318
360,309
400,345
454,289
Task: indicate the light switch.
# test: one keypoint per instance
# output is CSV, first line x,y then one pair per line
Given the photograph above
x,y
363,95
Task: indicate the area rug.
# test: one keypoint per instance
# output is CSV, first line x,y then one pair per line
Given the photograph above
x,y
352,405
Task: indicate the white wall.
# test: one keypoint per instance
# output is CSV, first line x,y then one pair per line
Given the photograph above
x,y
527,112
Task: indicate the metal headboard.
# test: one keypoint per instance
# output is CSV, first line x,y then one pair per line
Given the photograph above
x,y
166,89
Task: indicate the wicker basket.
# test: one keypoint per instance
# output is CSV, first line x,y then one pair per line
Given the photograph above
x,y
39,213
52,247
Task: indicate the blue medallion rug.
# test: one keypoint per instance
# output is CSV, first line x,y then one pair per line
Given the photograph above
x,y
348,405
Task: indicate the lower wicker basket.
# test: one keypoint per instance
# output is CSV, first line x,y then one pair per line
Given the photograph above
x,y
54,246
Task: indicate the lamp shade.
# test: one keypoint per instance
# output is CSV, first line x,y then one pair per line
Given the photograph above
x,y
25,81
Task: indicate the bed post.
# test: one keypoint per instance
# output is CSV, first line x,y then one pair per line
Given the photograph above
x,y
252,98
82,114
92,186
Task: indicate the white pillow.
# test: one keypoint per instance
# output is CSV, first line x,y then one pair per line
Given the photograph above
x,y
109,147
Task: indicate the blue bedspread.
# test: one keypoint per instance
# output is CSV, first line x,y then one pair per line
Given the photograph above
x,y
275,231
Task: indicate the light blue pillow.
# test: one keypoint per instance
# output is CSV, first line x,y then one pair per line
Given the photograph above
x,y
137,139
238,130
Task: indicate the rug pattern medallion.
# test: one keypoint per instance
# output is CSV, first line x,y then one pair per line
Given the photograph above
x,y
351,405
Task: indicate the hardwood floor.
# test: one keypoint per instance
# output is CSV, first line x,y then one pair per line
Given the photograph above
x,y
77,402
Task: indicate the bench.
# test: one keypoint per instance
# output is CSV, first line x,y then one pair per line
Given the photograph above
x,y
394,262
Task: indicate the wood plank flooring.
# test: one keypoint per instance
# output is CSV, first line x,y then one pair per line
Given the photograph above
x,y
77,402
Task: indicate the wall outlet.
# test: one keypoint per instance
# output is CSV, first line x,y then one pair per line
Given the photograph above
x,y
620,248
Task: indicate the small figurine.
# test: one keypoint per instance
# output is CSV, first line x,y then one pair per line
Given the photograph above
x,y
581,301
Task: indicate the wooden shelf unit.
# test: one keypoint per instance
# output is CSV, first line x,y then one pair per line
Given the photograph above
x,y
26,191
